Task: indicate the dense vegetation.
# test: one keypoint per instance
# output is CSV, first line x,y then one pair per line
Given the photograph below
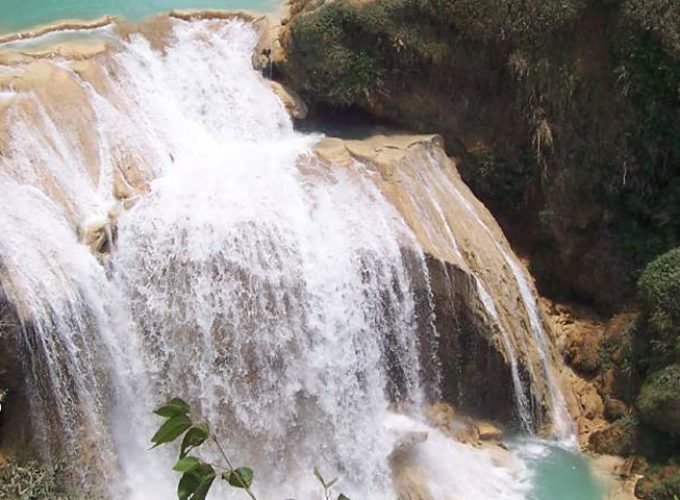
x,y
566,114
659,352
641,367
30,481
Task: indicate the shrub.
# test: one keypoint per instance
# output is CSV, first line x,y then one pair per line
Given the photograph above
x,y
659,288
659,17
334,69
659,486
659,400
29,482
619,438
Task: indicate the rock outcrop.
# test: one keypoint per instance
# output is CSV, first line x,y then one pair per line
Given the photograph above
x,y
525,95
480,314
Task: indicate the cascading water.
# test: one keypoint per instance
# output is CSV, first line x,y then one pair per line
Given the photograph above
x,y
561,418
275,293
428,178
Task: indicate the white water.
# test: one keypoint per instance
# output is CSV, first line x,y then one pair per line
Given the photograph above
x,y
439,190
264,294
563,427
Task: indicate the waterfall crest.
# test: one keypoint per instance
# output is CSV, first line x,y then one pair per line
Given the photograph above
x,y
167,232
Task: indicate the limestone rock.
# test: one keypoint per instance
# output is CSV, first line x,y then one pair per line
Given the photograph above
x,y
619,438
293,103
489,432
615,409
100,234
473,287
406,443
409,483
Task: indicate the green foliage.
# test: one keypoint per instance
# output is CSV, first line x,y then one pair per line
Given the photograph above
x,y
500,179
173,408
343,74
240,478
198,476
667,488
347,48
661,18
195,436
659,400
568,108
171,429
30,482
659,288
660,483
196,482
327,485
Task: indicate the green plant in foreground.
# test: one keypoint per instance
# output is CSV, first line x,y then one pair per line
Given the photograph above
x,y
198,476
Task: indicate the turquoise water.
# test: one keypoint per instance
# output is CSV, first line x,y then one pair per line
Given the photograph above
x,y
558,473
19,15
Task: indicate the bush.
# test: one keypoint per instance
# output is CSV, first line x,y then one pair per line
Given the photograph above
x,y
659,17
659,486
346,49
619,438
659,400
659,289
29,482
333,68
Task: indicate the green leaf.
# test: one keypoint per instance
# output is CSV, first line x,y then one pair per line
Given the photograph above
x,y
203,487
239,478
196,483
186,464
187,485
171,430
172,408
194,437
331,483
342,497
318,475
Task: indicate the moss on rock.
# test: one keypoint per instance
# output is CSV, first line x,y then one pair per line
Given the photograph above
x,y
659,400
619,438
659,288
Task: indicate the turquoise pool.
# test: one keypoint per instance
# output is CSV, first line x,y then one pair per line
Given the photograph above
x,y
558,473
19,15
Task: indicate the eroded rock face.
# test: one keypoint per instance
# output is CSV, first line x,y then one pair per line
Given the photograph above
x,y
15,428
293,103
479,313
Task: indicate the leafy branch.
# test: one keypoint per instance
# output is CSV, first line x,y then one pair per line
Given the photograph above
x,y
198,476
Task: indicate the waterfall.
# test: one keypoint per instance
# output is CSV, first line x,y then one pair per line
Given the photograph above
x,y
436,199
287,299
563,426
